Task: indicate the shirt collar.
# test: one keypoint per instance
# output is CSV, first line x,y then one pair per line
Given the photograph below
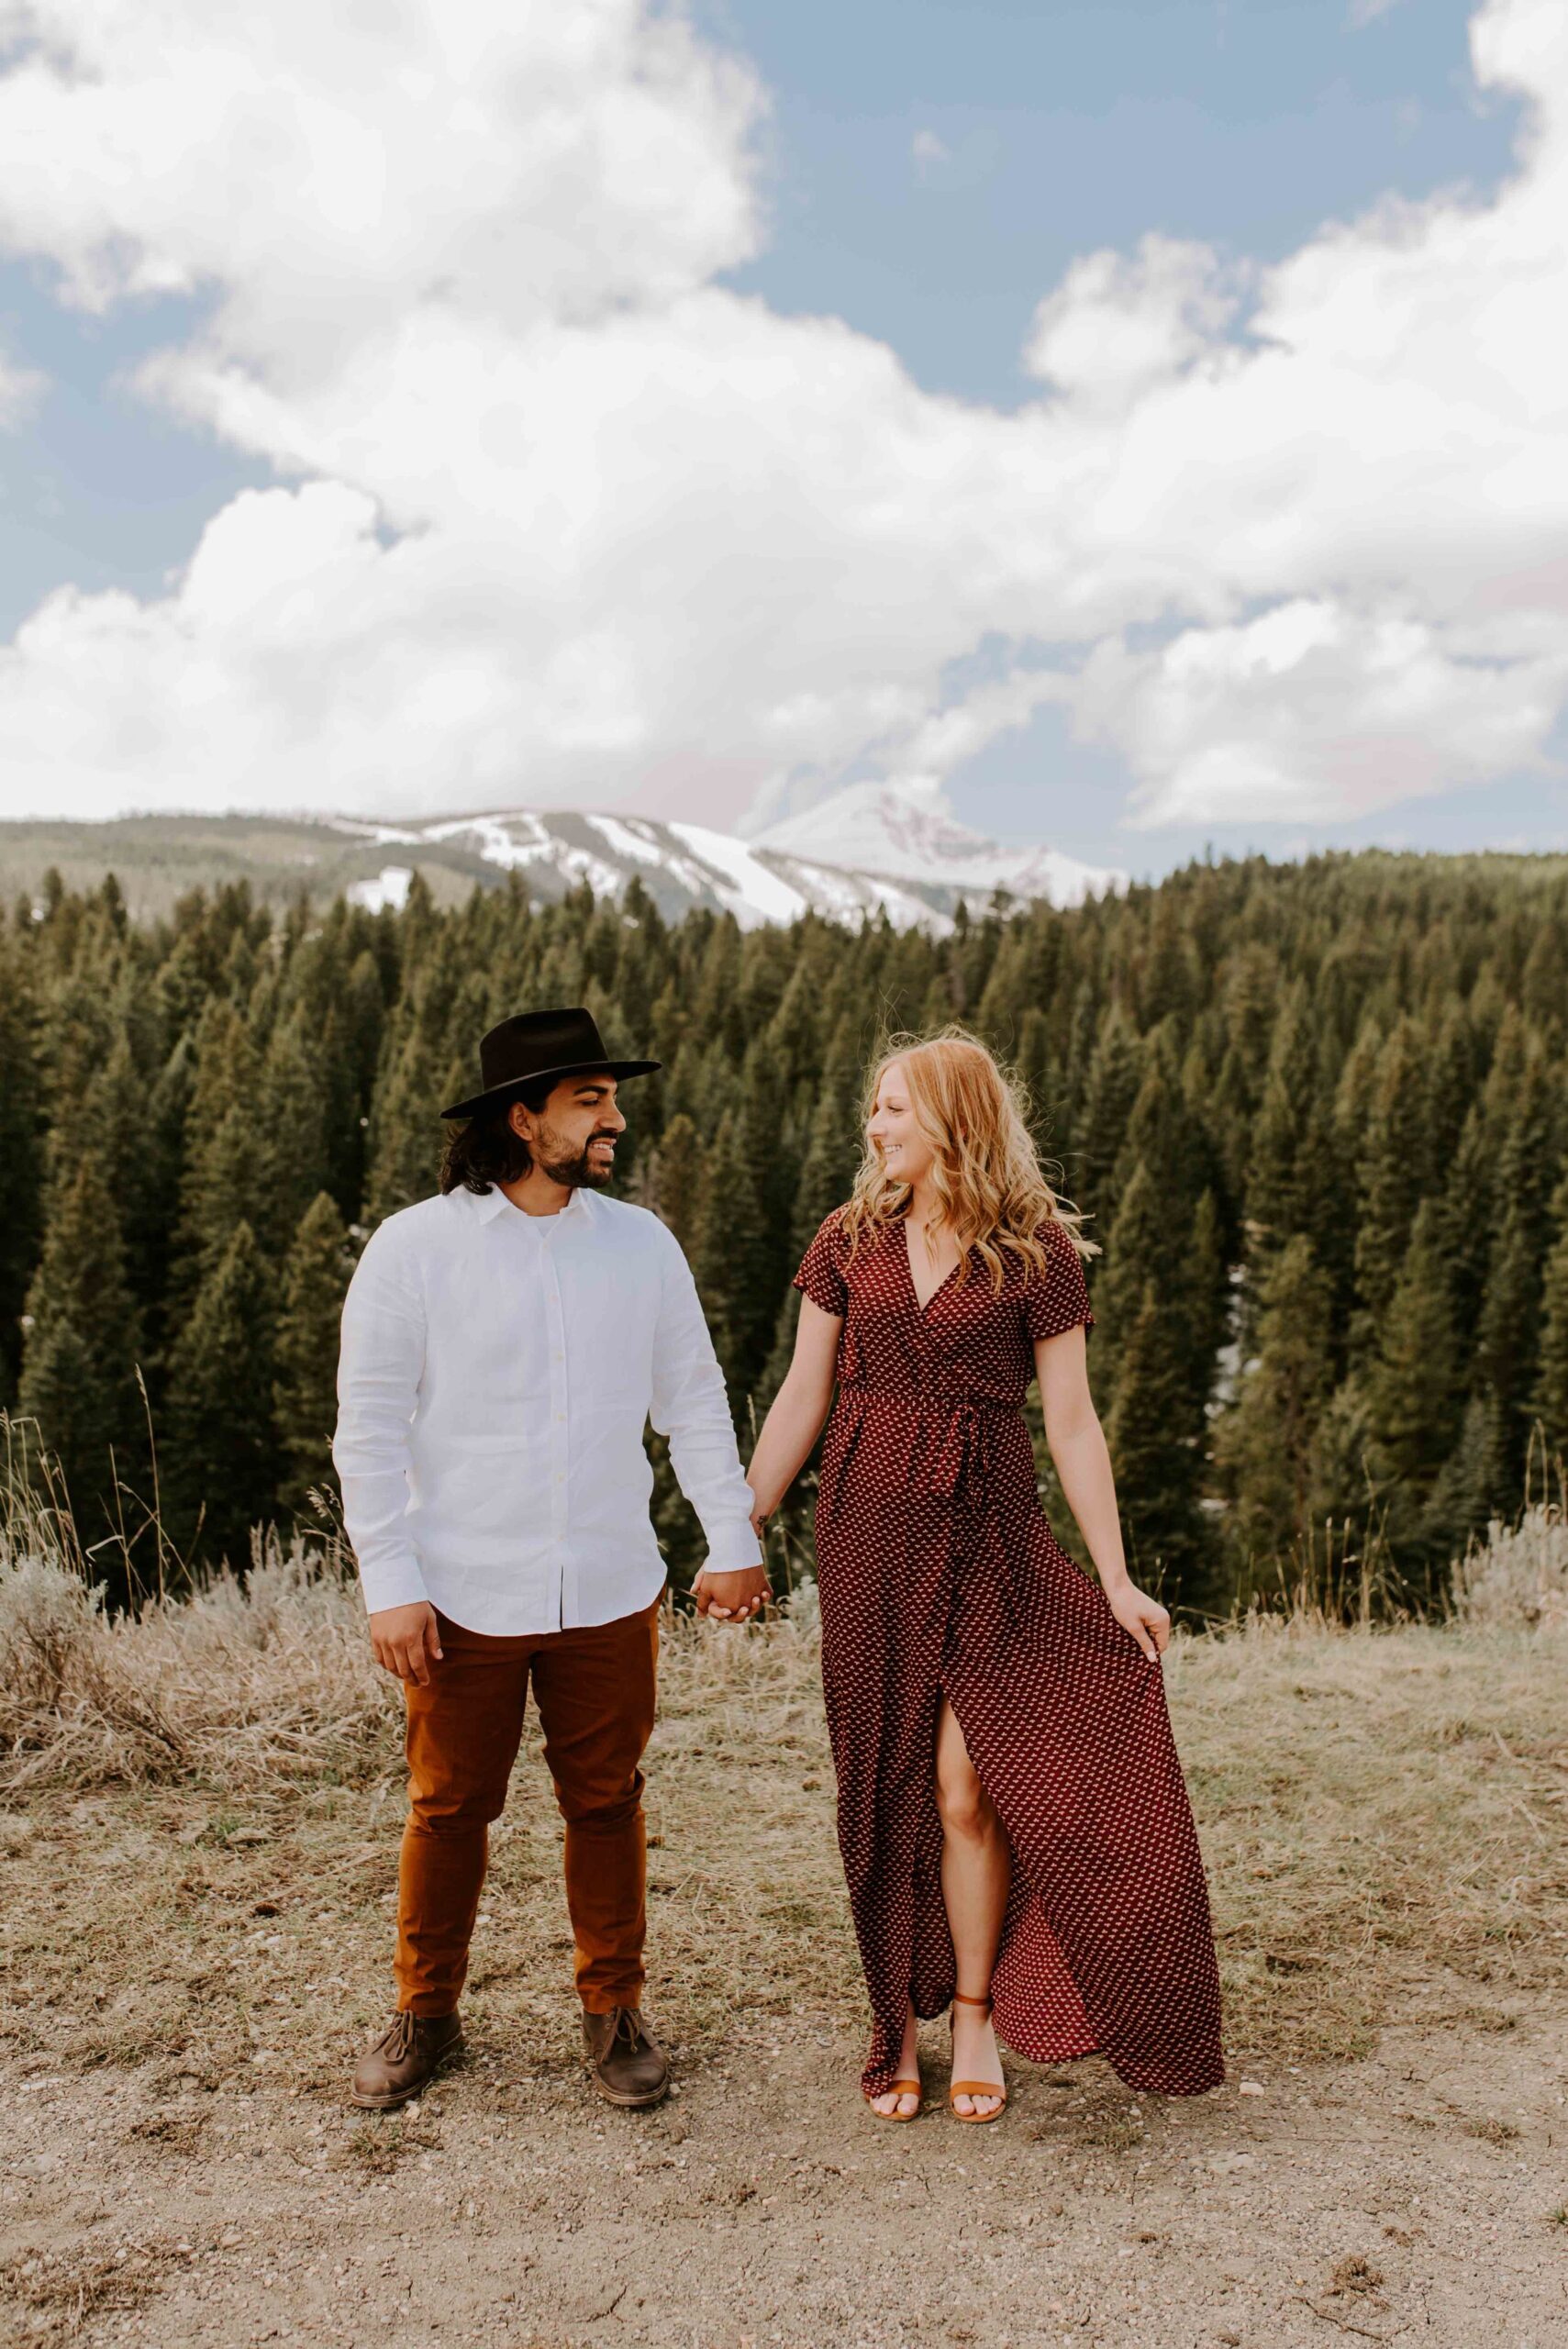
x,y
488,1204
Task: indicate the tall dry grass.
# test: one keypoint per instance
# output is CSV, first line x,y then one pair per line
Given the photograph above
x,y
1518,1574
259,1682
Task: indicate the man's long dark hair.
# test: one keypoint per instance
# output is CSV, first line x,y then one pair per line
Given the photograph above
x,y
485,1150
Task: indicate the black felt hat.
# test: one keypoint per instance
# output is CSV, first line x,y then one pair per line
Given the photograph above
x,y
541,1043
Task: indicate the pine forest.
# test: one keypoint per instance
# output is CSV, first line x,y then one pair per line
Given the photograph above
x,y
1317,1115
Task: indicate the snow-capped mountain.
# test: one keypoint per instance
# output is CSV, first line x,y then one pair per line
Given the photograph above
x,y
874,847
902,831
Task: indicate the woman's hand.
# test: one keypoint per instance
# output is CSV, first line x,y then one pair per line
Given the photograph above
x,y
1148,1622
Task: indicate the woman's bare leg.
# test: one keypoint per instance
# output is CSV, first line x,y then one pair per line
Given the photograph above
x,y
977,1869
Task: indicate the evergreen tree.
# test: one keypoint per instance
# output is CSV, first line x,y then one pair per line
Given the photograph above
x,y
428,1060
1045,1081
1282,1178
1157,1308
678,1181
223,1182
290,1129
1416,1387
717,1009
1114,1079
1266,1443
715,1262
1345,1483
79,1362
305,1390
1509,1335
1394,1165
1466,1202
1549,1401
1157,1471
1457,1505
119,1129
220,1454
753,1196
834,1142
21,1155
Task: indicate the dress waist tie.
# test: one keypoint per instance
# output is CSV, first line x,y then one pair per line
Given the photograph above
x,y
963,1471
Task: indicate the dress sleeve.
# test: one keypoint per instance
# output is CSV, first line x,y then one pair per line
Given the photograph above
x,y
1060,1300
819,1275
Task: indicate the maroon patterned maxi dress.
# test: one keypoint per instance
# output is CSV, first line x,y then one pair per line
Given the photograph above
x,y
939,1573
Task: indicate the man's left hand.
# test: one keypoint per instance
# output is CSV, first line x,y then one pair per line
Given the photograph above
x,y
731,1599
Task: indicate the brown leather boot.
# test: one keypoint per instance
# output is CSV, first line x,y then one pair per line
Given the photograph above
x,y
407,2054
626,2063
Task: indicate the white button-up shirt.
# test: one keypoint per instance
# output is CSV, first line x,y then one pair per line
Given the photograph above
x,y
496,1374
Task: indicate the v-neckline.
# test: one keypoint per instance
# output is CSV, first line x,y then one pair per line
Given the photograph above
x,y
951,1274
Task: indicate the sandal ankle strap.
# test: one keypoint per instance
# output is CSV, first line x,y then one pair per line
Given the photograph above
x,y
960,1999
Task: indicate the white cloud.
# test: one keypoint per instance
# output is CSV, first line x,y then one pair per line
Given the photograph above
x,y
20,390
1116,329
1312,710
927,147
561,519
327,168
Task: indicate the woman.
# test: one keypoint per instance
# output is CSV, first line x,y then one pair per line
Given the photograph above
x,y
1013,1826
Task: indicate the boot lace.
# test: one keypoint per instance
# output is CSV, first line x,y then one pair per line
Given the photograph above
x,y
398,2041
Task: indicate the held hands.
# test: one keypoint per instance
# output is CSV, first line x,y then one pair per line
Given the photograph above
x,y
731,1599
1148,1622
405,1640
734,1599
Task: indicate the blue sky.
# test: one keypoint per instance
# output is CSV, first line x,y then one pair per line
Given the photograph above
x,y
1068,127
927,174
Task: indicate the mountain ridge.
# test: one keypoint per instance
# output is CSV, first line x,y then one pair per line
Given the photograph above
x,y
870,848
921,863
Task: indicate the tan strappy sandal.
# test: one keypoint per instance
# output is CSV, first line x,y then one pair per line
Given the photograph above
x,y
899,2087
975,2087
916,2088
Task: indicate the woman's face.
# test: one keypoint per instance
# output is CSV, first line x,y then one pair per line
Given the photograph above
x,y
892,1130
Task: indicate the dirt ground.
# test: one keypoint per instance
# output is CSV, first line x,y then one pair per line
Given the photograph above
x,y
186,1972
1410,2194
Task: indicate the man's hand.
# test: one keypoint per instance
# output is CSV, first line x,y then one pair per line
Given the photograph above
x,y
406,1641
731,1599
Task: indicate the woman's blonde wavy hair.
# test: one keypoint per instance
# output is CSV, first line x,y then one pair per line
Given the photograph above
x,y
985,1174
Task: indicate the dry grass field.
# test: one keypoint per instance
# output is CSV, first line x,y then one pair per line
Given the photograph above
x,y
197,1848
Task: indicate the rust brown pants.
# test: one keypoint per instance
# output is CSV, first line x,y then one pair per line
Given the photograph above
x,y
595,1689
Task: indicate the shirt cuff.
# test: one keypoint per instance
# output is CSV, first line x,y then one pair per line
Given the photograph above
x,y
392,1582
732,1553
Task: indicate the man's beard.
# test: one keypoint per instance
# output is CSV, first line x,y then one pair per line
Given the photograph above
x,y
551,1154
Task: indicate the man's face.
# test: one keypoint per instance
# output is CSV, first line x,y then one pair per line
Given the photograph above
x,y
572,1137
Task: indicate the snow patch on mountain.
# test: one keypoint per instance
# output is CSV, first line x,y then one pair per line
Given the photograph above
x,y
872,848
389,887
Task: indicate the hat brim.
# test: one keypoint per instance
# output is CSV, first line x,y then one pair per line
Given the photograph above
x,y
499,1092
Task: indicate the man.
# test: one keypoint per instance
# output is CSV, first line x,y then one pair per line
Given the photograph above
x,y
503,1345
